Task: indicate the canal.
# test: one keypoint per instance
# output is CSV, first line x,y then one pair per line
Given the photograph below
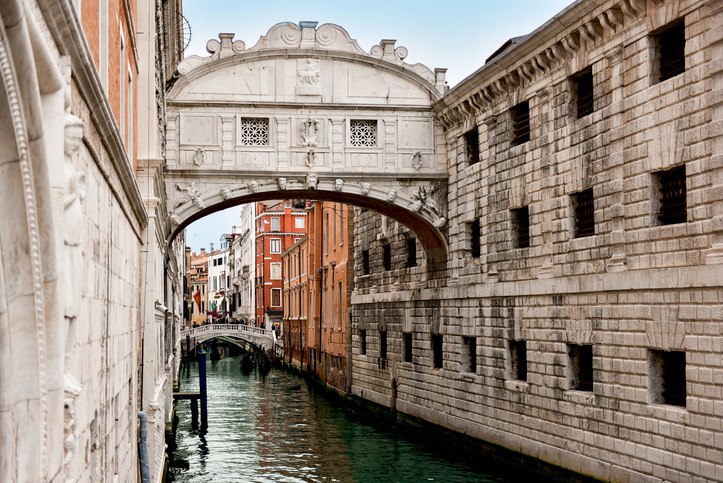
x,y
278,428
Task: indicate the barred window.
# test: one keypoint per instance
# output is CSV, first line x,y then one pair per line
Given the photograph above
x,y
666,377
672,195
584,205
584,92
520,116
254,131
521,226
471,141
581,367
670,50
362,133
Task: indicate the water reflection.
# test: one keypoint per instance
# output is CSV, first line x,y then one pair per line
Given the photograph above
x,y
276,428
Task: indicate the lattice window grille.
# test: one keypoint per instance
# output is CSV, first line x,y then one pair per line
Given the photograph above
x,y
362,133
254,131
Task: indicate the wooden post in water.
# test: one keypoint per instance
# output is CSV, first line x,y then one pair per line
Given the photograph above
x,y
202,387
194,413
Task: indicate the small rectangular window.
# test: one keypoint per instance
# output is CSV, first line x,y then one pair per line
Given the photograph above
x,y
363,341
275,268
362,133
254,131
583,205
383,344
437,350
671,194
669,45
275,245
365,262
475,234
276,297
411,251
299,222
580,364
520,117
667,383
521,227
518,359
584,92
387,256
407,347
275,223
469,354
471,144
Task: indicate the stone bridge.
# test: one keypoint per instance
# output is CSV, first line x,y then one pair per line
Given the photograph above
x,y
307,114
260,337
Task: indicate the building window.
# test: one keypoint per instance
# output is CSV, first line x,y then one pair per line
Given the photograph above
x,y
411,251
580,364
520,117
437,350
671,196
340,306
363,341
326,233
471,145
521,226
365,262
299,222
275,245
474,230
407,346
383,344
276,297
583,206
518,359
669,51
362,133
667,377
275,268
387,256
254,131
583,92
469,354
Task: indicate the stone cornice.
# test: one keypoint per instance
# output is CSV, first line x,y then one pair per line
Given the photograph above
x,y
548,47
64,25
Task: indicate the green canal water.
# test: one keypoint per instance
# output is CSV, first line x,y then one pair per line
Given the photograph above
x,y
278,428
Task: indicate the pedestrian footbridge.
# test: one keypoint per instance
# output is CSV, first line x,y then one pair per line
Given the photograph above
x,y
259,337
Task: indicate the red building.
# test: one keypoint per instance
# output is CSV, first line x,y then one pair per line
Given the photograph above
x,y
279,224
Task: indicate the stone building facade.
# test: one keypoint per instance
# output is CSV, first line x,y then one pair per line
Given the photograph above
x,y
580,321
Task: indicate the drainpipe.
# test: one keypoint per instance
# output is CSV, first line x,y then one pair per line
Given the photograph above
x,y
143,449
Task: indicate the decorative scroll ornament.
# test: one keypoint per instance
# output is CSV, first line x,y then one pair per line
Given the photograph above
x,y
311,181
366,188
310,132
194,194
310,158
225,193
199,157
282,183
392,195
175,219
338,184
440,222
254,187
417,160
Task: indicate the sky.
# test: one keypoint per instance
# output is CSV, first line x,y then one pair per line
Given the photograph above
x,y
456,34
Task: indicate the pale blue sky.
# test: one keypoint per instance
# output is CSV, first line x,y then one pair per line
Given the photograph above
x,y
456,34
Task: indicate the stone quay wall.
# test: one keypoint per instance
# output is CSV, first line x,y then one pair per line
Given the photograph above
x,y
581,322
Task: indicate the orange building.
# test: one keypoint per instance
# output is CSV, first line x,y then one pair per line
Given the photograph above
x,y
199,287
317,288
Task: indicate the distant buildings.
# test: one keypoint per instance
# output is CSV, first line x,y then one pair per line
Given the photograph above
x,y
242,267
199,287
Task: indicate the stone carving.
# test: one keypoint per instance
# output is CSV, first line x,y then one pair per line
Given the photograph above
x,y
440,222
71,391
175,219
282,183
391,195
338,184
254,187
311,181
417,160
199,157
421,197
194,194
225,193
416,206
310,132
310,158
75,190
365,188
309,74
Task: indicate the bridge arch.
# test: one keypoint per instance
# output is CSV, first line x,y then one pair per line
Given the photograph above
x,y
306,113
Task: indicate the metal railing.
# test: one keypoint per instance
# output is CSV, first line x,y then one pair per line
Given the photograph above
x,y
224,328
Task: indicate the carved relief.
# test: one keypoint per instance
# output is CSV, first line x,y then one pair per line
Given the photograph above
x,y
310,158
199,157
194,195
309,74
391,195
440,222
75,190
254,187
366,188
225,193
311,181
338,184
310,132
71,391
175,219
417,160
282,183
